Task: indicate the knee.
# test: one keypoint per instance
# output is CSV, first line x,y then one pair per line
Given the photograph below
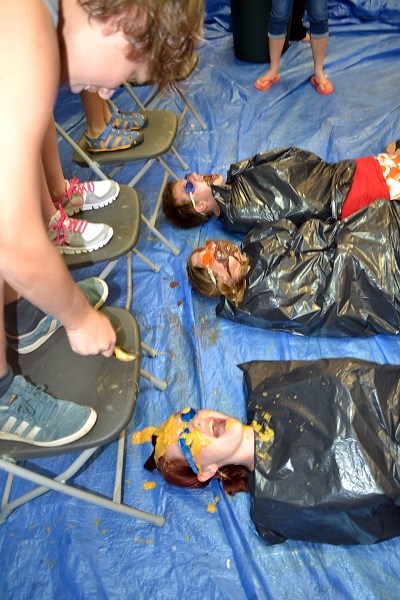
x,y
317,13
279,18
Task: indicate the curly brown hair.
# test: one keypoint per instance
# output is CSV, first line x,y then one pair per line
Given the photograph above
x,y
171,31
234,477
181,215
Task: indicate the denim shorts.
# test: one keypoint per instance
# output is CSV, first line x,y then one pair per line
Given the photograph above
x,y
317,12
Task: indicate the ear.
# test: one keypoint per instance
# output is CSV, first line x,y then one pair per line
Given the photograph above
x,y
110,25
201,207
207,473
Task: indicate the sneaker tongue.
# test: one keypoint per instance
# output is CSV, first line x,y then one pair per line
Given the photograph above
x,y
55,218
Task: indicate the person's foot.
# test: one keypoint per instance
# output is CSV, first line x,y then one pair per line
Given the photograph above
x,y
393,148
266,81
112,139
95,290
87,195
323,86
75,236
133,120
28,414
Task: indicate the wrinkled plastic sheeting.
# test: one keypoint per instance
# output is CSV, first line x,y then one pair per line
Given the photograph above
x,y
326,458
209,548
320,279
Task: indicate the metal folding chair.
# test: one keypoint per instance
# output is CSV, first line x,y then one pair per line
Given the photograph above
x,y
107,385
159,137
124,216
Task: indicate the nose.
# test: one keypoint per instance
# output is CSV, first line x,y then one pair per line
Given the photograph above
x,y
195,423
196,177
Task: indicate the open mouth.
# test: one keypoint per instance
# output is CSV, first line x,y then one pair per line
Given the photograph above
x,y
217,427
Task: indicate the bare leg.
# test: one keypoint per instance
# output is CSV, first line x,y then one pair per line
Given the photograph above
x,y
3,360
322,83
272,75
52,164
97,113
48,207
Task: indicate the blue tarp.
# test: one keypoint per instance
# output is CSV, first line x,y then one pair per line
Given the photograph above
x,y
58,547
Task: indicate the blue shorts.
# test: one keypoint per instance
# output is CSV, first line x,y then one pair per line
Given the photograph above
x,y
317,12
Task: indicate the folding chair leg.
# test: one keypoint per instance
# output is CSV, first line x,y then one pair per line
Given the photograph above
x,y
160,384
57,484
134,97
160,236
119,467
190,107
156,210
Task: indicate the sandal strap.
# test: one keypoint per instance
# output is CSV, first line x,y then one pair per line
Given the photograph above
x,y
111,138
129,120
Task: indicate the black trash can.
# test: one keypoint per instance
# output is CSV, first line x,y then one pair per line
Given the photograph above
x,y
250,19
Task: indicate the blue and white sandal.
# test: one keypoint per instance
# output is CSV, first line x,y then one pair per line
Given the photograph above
x,y
129,120
112,139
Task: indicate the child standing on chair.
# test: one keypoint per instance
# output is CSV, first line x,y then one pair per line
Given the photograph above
x,y
86,44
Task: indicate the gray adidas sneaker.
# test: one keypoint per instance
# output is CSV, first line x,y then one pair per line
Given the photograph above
x,y
28,414
88,195
95,290
75,236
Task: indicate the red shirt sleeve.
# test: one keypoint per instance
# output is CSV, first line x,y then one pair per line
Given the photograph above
x,y
368,186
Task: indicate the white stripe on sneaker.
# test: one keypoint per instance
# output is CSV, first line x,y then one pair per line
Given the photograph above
x,y
33,433
9,424
21,428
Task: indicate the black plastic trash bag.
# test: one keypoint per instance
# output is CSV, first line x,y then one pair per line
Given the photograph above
x,y
322,279
331,472
285,183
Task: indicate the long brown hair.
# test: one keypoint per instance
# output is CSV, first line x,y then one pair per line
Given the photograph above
x,y
177,471
202,283
172,29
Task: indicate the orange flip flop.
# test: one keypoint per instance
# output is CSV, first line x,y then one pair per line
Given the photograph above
x,y
322,88
265,84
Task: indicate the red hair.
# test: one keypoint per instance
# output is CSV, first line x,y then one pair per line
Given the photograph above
x,y
178,472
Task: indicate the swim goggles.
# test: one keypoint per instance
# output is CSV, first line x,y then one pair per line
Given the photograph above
x,y
186,416
188,188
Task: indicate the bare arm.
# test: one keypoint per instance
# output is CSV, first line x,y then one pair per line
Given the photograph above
x,y
29,67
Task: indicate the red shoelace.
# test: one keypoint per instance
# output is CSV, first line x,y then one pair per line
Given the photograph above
x,y
65,223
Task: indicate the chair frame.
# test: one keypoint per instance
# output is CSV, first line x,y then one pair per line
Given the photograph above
x,y
96,387
125,209
159,136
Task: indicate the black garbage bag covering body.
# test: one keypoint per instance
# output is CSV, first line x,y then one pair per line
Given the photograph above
x,y
340,279
332,470
285,183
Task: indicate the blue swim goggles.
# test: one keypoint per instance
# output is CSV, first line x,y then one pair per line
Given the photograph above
x,y
188,188
184,447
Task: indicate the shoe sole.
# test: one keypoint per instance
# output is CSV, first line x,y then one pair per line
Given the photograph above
x,y
61,442
84,250
73,210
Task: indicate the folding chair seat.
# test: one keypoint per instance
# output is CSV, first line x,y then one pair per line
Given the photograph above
x,y
156,95
106,384
123,215
159,137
